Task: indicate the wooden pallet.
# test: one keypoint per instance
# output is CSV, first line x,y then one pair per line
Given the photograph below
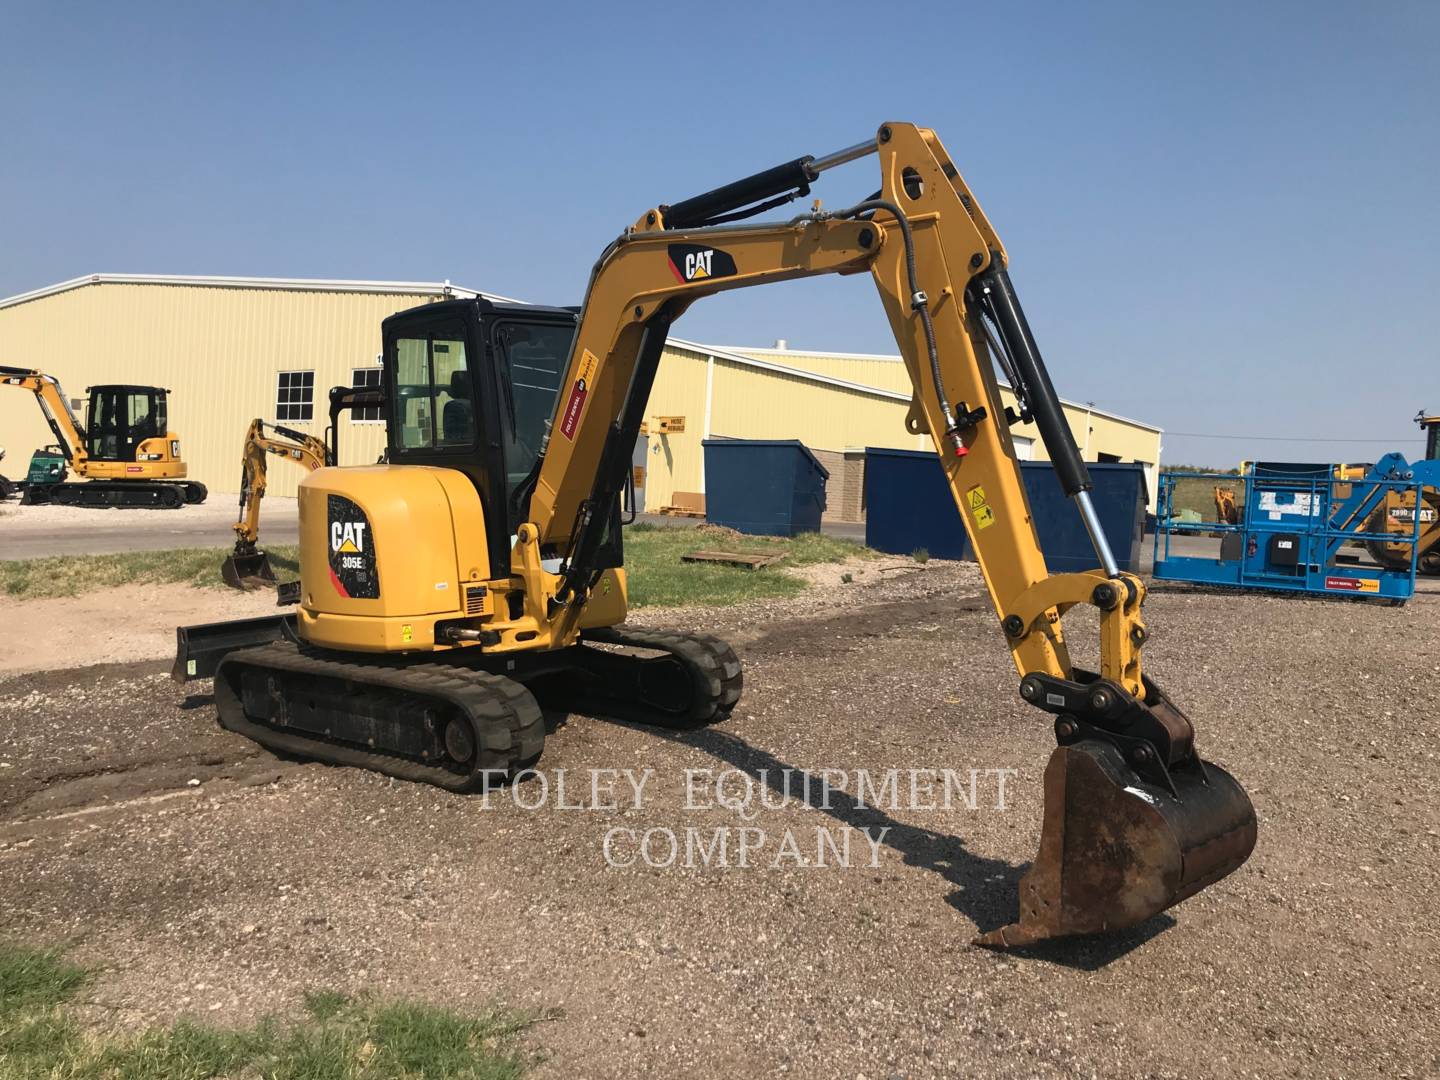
x,y
731,558
680,511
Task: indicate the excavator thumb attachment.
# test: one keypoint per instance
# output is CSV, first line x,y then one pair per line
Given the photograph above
x,y
1133,824
247,569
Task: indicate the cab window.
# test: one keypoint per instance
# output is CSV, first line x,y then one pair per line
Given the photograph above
x,y
533,358
433,399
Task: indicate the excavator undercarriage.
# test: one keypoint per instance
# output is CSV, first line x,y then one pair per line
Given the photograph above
x,y
463,725
451,596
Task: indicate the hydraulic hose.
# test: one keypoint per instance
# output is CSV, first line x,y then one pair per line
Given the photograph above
x,y
919,303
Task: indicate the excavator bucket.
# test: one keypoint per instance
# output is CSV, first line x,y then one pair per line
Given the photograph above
x,y
1116,849
249,570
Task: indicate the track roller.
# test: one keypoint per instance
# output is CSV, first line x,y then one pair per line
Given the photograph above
x,y
456,728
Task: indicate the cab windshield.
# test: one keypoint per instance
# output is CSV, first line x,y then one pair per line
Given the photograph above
x,y
532,363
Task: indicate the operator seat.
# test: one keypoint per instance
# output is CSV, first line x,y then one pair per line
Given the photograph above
x,y
457,421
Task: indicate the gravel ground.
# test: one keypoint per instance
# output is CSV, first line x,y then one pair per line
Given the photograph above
x,y
204,876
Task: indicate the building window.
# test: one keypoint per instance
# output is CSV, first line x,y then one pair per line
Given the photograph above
x,y
295,396
365,378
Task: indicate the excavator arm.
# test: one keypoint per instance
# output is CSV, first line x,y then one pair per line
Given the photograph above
x,y
247,564
1134,820
63,423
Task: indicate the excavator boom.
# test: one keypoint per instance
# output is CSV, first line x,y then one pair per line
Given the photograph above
x,y
1135,821
248,566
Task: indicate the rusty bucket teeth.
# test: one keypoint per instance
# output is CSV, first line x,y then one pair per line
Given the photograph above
x,y
1115,849
250,571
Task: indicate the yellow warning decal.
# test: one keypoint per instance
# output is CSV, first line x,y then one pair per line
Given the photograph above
x,y
984,515
407,632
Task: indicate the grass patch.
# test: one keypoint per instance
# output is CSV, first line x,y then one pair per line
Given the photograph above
x,y
658,577
1199,495
71,575
652,557
338,1037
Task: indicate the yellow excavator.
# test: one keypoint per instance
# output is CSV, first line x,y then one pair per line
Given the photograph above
x,y
125,451
247,566
450,594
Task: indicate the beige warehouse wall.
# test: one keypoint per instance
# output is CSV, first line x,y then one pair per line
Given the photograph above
x,y
218,349
673,461
749,403
1112,435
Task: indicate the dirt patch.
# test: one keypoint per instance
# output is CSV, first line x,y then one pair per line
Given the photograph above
x,y
1316,959
132,622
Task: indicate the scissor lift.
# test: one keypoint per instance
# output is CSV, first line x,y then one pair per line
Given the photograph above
x,y
1297,522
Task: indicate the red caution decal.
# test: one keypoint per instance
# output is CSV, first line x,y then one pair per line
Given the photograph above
x,y
575,405
1349,584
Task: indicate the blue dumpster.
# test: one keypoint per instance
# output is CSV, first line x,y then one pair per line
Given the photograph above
x,y
908,506
764,487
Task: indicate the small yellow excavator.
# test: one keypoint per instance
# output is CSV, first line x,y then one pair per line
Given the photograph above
x,y
450,594
126,452
247,566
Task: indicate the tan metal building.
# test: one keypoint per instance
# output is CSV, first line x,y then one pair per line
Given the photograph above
x,y
837,404
232,349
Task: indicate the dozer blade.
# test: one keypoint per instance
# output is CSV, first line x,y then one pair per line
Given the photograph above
x,y
250,571
1116,849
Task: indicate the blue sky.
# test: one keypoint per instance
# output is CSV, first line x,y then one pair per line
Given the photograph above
x,y
1222,218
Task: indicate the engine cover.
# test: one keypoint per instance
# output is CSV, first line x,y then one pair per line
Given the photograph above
x,y
386,552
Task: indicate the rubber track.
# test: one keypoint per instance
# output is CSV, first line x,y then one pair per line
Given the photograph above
x,y
715,672
508,725
125,494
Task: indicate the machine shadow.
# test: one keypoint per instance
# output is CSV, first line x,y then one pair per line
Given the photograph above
x,y
984,890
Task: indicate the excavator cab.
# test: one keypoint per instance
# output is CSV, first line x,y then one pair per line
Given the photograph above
x,y
471,385
121,418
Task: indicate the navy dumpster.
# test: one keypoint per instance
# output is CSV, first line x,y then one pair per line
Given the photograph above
x,y
908,506
764,487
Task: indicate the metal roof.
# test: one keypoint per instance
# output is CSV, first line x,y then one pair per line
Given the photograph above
x,y
728,355
404,288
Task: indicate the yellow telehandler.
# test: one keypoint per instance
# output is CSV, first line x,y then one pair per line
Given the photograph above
x,y
449,594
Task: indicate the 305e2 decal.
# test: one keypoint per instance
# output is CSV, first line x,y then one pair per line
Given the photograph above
x,y
352,550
